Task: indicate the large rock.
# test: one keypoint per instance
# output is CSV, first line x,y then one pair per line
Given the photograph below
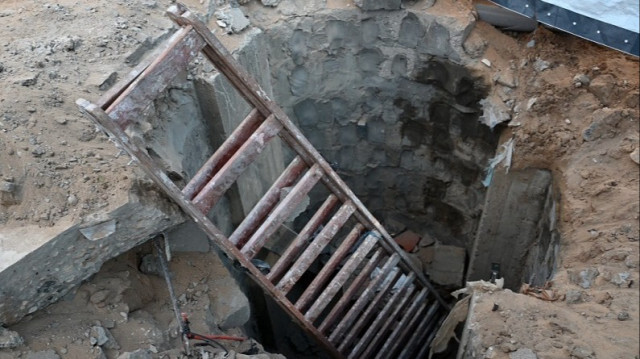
x,y
229,305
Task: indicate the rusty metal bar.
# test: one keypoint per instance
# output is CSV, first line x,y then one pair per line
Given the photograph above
x,y
315,247
372,308
251,91
406,324
282,211
363,299
136,98
426,343
215,235
223,153
238,163
329,268
340,279
388,321
410,346
301,239
267,202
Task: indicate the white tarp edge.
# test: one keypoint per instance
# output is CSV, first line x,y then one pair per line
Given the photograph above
x,y
621,13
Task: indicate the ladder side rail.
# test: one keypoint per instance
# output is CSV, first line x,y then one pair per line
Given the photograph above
x,y
215,235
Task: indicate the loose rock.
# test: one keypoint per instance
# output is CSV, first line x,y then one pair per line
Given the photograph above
x,y
523,353
9,339
622,316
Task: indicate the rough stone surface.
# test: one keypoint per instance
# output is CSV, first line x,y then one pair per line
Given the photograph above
x,y
230,307
352,86
233,17
9,339
378,4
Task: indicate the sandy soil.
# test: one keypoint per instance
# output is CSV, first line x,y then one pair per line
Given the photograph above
x,y
63,169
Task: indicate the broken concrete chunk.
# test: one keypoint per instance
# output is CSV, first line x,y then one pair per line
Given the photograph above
x,y
102,80
233,17
9,339
104,338
99,231
494,111
378,4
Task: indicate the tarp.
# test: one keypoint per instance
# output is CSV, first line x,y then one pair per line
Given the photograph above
x,y
613,23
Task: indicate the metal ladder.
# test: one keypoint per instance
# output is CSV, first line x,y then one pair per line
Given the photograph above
x,y
349,310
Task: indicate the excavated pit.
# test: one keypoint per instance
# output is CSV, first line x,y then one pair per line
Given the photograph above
x,y
386,99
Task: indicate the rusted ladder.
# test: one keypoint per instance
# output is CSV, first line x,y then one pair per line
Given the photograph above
x,y
369,299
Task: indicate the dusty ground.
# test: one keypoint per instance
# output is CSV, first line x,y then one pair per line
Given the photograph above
x,y
63,169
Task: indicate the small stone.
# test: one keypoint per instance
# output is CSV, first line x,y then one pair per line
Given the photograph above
x,y
38,151
233,17
63,350
72,200
61,121
622,316
580,80
93,341
540,65
635,156
531,43
272,3
27,80
486,62
45,354
138,354
621,279
9,339
581,352
523,353
574,296
103,337
99,296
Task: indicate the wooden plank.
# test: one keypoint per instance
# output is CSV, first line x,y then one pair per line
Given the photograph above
x,y
384,318
302,239
96,114
372,309
340,279
410,346
136,98
329,268
406,324
267,202
251,91
315,247
363,299
238,163
282,211
223,153
387,320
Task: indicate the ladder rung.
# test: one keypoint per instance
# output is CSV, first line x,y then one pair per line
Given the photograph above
x,y
301,239
184,45
339,280
403,328
372,308
315,247
386,321
417,334
282,211
329,267
223,153
267,202
363,299
229,173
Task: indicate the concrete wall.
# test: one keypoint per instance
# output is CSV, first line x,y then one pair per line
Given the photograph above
x,y
517,229
383,97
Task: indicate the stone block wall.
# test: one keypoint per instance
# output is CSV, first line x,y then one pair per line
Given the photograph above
x,y
385,99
